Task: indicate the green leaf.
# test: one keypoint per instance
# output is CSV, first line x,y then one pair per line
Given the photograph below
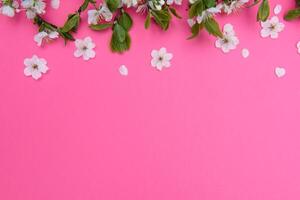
x,y
210,3
125,21
195,30
292,14
119,32
148,20
162,18
84,6
298,2
212,27
112,4
100,27
174,12
263,11
196,9
254,3
71,23
117,46
66,36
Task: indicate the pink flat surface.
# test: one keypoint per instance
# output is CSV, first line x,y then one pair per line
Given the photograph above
x,y
213,126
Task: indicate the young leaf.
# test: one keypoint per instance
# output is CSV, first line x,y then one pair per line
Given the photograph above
x,y
100,27
71,23
210,3
292,14
117,46
162,18
195,30
263,11
125,21
112,4
148,20
212,27
84,6
196,9
119,32
174,12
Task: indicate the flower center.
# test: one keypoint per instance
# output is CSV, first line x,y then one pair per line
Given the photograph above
x,y
160,58
84,48
225,40
272,27
35,66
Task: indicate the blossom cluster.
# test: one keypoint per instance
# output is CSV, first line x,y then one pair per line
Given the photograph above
x,y
112,14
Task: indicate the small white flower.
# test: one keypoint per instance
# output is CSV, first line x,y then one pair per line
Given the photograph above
x,y
102,13
156,4
34,7
55,4
129,3
85,48
298,47
35,66
234,6
277,9
177,2
9,9
280,72
271,27
161,58
191,22
143,8
229,40
192,1
43,35
210,12
123,70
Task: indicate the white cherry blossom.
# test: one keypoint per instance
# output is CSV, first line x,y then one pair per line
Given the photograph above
x,y
161,58
156,4
271,27
34,7
10,8
234,6
85,48
177,2
229,40
102,13
210,12
129,3
43,35
35,67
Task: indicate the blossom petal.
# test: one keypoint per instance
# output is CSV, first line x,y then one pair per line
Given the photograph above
x,y
36,74
265,33
78,53
154,53
28,71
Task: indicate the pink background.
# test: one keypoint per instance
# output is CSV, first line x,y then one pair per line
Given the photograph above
x,y
214,126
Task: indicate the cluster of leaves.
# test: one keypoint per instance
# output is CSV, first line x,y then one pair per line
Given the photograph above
x,y
210,24
294,13
70,26
122,23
